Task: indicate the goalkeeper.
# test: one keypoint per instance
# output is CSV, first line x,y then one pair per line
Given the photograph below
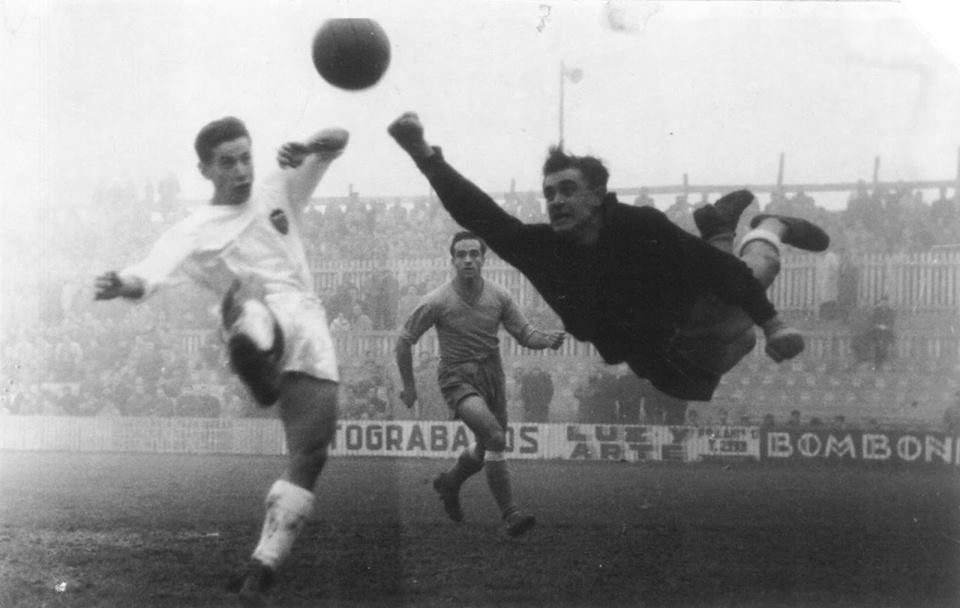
x,y
678,309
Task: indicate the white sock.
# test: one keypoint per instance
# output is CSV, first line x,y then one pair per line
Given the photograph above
x,y
288,507
760,234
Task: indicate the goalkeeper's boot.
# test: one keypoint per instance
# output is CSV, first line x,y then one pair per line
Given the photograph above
x,y
518,522
722,216
799,232
256,585
254,342
449,493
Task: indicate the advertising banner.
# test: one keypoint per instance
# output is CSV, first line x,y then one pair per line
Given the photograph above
x,y
427,439
854,446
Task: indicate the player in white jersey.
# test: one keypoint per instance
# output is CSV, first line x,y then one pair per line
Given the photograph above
x,y
467,313
246,246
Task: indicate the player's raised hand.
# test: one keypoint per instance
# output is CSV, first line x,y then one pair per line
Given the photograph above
x,y
328,144
407,131
110,285
291,154
409,396
107,286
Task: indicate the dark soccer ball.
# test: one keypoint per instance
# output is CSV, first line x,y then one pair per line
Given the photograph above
x,y
351,54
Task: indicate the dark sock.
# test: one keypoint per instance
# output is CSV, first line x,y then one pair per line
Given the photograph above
x,y
498,478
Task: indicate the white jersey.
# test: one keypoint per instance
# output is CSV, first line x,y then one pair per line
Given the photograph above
x,y
259,241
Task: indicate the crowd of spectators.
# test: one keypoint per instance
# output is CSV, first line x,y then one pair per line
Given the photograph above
x,y
80,358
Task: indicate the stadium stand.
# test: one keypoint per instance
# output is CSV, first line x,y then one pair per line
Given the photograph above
x,y
63,354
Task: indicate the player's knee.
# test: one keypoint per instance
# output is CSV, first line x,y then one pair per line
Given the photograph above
x,y
496,441
763,258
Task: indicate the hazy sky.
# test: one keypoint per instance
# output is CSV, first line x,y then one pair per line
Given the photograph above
x,y
115,90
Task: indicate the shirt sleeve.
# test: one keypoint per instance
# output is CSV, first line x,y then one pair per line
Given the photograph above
x,y
423,317
164,265
513,320
467,204
295,186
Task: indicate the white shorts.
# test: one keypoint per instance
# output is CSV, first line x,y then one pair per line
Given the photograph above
x,y
308,346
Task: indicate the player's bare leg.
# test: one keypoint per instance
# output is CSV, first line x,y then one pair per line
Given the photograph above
x,y
760,251
308,410
491,444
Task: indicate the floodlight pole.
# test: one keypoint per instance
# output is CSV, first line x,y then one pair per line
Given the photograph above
x,y
562,77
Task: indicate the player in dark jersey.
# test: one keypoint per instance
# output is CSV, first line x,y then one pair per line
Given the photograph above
x,y
467,313
677,309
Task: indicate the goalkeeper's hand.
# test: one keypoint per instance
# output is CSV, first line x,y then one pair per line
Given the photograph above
x,y
782,342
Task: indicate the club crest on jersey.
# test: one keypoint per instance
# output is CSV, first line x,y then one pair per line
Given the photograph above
x,y
279,220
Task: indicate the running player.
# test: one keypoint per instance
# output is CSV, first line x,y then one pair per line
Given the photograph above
x,y
678,310
246,246
467,312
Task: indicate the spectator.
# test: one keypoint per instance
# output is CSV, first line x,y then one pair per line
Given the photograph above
x,y
158,403
70,400
138,403
343,300
828,268
882,321
208,405
722,417
384,299
108,409
942,210
68,359
375,406
430,403
794,420
187,404
769,421
360,321
951,417
408,301
598,398
874,341
340,324
536,392
848,285
661,408
50,403
643,198
233,405
681,214
631,392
